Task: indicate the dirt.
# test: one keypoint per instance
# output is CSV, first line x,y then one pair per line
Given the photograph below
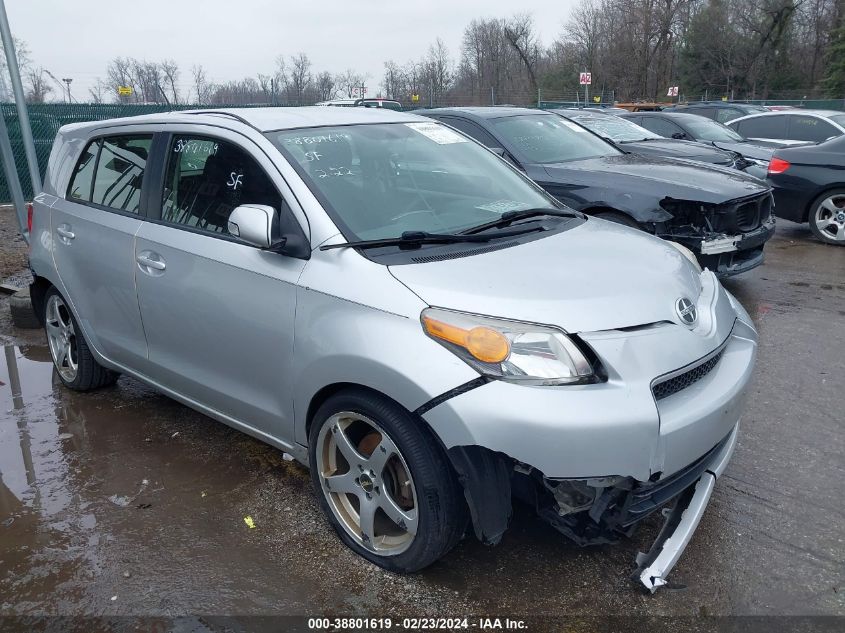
x,y
123,502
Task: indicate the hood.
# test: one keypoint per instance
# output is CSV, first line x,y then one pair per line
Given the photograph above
x,y
672,148
749,150
675,178
595,276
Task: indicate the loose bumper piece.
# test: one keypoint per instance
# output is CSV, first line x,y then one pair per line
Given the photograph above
x,y
653,567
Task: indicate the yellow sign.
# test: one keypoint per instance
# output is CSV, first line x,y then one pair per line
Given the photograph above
x,y
724,98
597,99
415,98
124,90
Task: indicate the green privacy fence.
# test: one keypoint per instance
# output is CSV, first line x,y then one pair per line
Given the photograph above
x,y
47,118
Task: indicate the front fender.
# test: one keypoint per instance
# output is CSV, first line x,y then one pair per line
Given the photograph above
x,y
643,208
338,341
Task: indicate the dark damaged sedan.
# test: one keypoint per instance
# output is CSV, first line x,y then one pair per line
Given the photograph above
x,y
721,214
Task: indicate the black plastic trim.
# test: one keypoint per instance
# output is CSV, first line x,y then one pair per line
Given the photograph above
x,y
447,395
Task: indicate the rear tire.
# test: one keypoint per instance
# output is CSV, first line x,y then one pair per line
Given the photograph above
x,y
72,358
827,217
619,218
395,501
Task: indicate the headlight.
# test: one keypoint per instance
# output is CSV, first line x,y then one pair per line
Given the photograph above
x,y
688,254
509,350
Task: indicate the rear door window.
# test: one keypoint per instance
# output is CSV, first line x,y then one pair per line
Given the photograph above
x,y
710,113
762,127
810,128
207,178
80,183
661,127
119,172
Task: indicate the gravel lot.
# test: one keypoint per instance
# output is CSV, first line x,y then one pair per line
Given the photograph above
x,y
123,502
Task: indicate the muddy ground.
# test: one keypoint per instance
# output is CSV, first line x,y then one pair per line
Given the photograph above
x,y
125,502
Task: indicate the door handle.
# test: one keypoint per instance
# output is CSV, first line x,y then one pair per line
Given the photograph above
x,y
145,259
64,231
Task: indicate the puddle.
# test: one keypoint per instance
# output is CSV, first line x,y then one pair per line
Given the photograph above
x,y
101,492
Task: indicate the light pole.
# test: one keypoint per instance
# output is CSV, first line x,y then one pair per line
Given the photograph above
x,y
67,81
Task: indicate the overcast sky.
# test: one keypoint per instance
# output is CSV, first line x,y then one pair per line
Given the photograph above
x,y
77,38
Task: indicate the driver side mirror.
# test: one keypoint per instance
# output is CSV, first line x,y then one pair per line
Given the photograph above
x,y
253,223
258,225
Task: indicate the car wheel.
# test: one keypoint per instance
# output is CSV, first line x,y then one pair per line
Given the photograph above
x,y
619,218
385,484
827,217
72,358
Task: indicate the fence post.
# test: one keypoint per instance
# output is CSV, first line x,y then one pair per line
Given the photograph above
x,y
12,180
20,101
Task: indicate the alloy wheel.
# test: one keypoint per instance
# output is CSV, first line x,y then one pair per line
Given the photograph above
x,y
367,483
61,338
830,218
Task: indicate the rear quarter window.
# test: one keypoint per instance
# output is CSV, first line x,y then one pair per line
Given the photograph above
x,y
810,128
79,187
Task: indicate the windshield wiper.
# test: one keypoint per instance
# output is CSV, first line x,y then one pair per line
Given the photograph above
x,y
509,217
413,239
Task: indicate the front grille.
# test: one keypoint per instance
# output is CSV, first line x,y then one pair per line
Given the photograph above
x,y
744,215
678,383
748,215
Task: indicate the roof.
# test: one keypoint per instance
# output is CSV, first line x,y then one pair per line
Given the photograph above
x,y
678,116
821,113
488,112
264,119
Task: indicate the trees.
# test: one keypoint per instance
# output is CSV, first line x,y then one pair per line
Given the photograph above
x,y
299,78
38,86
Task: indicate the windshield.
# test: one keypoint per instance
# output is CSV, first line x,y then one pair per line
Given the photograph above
x,y
547,139
381,180
708,130
612,127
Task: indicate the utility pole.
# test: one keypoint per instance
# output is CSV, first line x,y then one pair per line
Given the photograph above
x,y
20,100
67,81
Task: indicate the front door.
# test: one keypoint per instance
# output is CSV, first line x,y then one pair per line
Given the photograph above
x,y
93,233
218,314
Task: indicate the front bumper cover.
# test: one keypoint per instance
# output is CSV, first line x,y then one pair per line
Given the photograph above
x,y
681,522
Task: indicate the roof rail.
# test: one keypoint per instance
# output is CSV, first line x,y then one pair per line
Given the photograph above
x,y
224,113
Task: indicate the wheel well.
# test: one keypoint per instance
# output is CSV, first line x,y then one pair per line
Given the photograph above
x,y
815,198
37,291
329,390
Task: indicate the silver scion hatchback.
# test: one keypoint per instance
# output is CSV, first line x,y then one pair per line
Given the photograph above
x,y
404,313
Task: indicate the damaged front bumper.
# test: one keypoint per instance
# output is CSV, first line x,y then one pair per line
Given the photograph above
x,y
729,238
681,522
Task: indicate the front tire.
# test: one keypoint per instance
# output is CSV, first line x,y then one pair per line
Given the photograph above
x,y
827,217
72,358
384,483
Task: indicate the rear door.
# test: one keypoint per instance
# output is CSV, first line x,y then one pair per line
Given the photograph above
x,y
93,229
218,314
